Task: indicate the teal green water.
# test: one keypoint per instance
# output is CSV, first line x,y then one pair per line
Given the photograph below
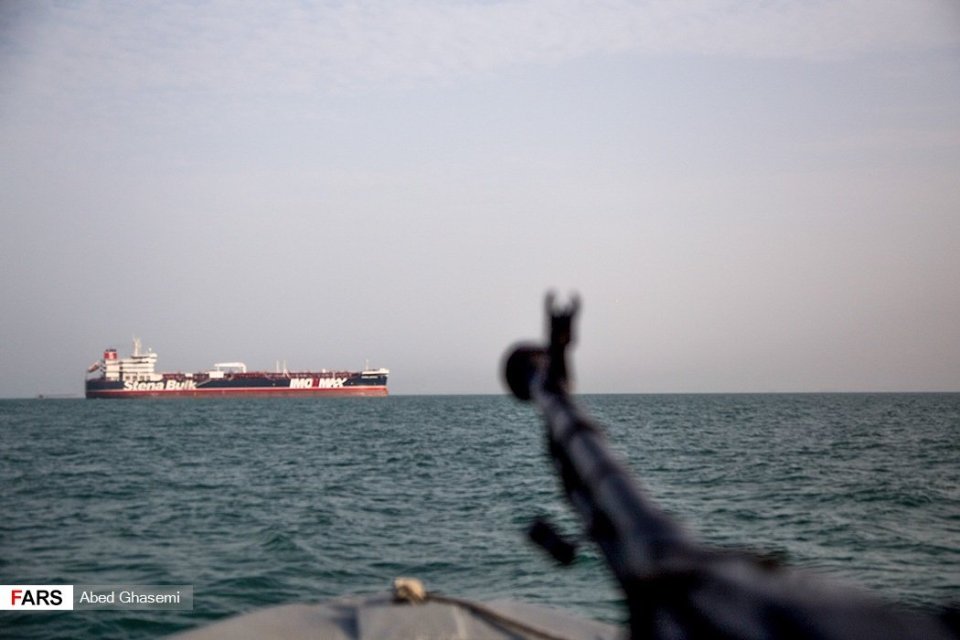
x,y
259,502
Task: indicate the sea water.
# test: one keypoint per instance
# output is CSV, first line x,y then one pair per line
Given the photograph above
x,y
266,501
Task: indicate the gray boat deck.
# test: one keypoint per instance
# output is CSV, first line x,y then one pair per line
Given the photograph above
x,y
379,617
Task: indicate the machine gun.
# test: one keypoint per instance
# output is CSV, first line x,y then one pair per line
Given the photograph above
x,y
675,586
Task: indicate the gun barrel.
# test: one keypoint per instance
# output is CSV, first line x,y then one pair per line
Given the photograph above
x,y
631,530
676,587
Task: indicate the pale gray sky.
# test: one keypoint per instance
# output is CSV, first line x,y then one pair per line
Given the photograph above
x,y
753,196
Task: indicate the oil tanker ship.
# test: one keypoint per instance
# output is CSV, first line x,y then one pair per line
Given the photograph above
x,y
135,377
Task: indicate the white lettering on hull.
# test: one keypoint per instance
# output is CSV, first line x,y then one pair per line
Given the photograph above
x,y
316,383
163,385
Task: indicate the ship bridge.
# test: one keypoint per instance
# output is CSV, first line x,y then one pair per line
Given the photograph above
x,y
138,366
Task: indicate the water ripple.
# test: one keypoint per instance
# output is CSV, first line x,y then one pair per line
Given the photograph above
x,y
270,501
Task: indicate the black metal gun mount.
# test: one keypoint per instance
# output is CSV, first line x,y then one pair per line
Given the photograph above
x,y
675,586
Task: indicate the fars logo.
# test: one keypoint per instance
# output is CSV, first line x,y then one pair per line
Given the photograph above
x,y
36,597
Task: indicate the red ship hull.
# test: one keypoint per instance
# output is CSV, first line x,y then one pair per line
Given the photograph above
x,y
135,377
264,392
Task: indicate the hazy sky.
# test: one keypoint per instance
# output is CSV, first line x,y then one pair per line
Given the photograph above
x,y
758,196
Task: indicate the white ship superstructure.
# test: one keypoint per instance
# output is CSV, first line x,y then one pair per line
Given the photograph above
x,y
137,366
